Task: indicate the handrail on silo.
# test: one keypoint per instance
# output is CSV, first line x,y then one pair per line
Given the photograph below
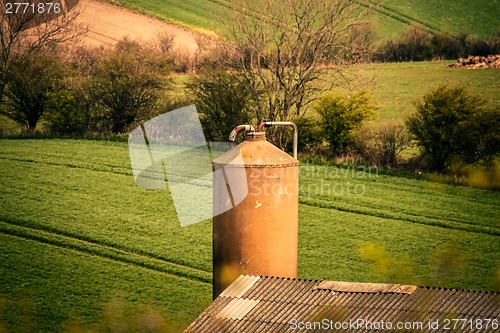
x,y
283,123
239,128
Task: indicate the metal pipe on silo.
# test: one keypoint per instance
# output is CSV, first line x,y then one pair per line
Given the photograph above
x,y
266,123
258,236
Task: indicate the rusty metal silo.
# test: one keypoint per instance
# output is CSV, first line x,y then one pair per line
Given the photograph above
x,y
259,235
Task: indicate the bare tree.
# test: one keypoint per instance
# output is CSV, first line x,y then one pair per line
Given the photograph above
x,y
123,85
290,51
166,42
29,26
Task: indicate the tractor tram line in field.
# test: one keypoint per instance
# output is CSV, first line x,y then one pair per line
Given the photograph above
x,y
411,218
398,213
54,237
401,17
398,208
112,168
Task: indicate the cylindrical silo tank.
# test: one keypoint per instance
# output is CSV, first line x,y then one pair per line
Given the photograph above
x,y
259,235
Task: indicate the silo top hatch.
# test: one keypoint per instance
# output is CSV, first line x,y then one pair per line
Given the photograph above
x,y
256,152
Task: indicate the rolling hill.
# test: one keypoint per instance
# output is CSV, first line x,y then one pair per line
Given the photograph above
x,y
109,23
479,17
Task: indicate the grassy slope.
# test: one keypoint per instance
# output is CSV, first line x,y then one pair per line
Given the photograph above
x,y
75,232
478,17
397,86
408,228
201,15
62,286
77,199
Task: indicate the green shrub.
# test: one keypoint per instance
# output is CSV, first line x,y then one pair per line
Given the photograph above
x,y
390,142
65,114
123,86
445,46
342,116
383,147
311,138
452,124
223,102
417,44
412,45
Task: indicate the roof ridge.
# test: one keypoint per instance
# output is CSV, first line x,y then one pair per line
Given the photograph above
x,y
461,289
381,283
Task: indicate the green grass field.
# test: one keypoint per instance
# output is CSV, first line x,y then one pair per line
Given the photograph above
x,y
82,245
396,86
479,17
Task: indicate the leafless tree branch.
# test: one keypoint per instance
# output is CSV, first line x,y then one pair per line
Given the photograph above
x,y
290,51
28,29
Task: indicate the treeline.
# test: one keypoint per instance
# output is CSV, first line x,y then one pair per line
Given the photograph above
x,y
108,91
453,131
417,44
81,91
111,91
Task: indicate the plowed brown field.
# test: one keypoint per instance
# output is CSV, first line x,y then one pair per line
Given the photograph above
x,y
108,23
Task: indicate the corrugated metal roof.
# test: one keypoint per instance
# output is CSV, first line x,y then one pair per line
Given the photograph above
x,y
237,308
268,304
366,287
240,286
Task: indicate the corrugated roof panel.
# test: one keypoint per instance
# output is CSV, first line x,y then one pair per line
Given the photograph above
x,y
320,297
302,312
427,304
463,302
237,308
259,291
283,291
261,311
270,304
489,304
240,286
448,301
372,313
357,287
495,307
264,311
299,312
